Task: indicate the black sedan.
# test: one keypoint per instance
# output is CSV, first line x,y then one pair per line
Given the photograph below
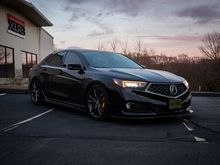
x,y
107,84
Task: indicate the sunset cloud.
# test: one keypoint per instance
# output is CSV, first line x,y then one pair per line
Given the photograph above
x,y
169,26
128,7
94,33
176,38
202,13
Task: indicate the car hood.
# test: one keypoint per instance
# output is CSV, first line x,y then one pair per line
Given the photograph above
x,y
143,74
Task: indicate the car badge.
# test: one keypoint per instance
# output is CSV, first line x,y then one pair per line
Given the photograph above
x,y
173,89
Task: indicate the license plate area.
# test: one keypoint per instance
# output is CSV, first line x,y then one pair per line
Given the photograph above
x,y
175,104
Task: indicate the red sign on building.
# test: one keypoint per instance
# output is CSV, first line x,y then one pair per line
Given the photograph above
x,y
16,26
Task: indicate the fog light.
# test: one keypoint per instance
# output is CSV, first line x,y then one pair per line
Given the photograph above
x,y
129,105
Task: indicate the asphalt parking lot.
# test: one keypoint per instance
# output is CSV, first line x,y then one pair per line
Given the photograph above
x,y
55,135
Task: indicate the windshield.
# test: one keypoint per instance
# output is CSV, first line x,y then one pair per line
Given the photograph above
x,y
109,60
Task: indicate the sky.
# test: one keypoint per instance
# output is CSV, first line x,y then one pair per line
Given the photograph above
x,y
170,27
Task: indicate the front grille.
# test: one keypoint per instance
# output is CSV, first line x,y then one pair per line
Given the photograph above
x,y
164,89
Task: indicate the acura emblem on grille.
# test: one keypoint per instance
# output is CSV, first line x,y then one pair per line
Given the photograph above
x,y
173,89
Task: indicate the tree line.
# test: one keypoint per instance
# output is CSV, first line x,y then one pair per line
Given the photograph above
x,y
202,73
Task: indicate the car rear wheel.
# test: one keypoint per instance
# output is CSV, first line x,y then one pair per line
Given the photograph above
x,y
36,92
97,102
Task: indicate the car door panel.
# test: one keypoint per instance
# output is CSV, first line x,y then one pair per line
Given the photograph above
x,y
49,72
73,79
46,74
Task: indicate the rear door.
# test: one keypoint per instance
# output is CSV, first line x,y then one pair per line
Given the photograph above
x,y
51,69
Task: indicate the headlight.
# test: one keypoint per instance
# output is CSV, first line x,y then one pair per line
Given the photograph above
x,y
186,83
129,83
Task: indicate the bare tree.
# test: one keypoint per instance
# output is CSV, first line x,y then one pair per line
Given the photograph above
x,y
101,45
139,44
124,46
149,52
183,57
211,45
114,43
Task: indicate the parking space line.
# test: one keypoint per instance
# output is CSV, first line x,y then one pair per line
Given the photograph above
x,y
10,128
13,126
190,128
2,94
186,124
199,139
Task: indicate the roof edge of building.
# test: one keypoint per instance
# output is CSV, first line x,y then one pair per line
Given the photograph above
x,y
38,12
47,32
28,10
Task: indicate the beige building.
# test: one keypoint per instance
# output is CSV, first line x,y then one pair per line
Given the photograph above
x,y
23,41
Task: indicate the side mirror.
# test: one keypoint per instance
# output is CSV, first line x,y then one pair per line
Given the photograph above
x,y
74,66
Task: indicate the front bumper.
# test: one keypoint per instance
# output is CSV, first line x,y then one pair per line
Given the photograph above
x,y
144,104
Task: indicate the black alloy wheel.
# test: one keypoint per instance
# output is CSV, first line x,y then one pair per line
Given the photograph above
x,y
98,103
36,92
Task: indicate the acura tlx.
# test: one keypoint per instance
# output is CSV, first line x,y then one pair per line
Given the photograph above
x,y
107,84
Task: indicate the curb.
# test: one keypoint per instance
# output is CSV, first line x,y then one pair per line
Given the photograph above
x,y
206,94
14,91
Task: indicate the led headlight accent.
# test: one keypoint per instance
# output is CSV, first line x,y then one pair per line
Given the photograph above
x,y
186,83
130,84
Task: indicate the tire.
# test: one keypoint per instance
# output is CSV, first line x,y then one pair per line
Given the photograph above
x,y
97,103
36,92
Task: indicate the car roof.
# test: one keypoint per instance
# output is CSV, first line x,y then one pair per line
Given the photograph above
x,y
78,50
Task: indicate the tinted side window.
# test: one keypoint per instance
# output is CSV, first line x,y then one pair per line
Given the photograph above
x,y
72,58
56,59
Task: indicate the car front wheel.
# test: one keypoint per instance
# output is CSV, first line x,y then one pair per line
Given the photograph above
x,y
98,102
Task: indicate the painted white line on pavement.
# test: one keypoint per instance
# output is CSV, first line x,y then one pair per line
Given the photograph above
x,y
199,139
13,126
189,128
10,128
2,94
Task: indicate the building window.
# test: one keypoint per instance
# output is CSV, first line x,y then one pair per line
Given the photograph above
x,y
6,62
28,61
